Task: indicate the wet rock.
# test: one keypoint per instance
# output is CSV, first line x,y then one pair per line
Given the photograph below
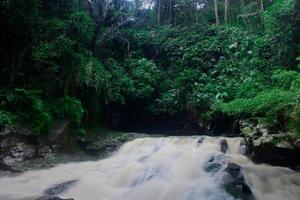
x,y
25,131
215,163
234,170
19,153
51,198
200,140
45,151
7,142
212,167
105,145
223,145
243,147
4,167
59,188
297,143
236,185
5,131
270,146
248,132
236,128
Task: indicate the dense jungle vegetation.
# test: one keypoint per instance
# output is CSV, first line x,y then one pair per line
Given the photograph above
x,y
87,61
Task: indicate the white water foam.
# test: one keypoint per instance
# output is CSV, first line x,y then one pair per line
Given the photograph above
x,y
169,168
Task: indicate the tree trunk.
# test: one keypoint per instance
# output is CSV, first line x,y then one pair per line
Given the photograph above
x,y
170,11
216,12
226,11
158,12
262,12
261,5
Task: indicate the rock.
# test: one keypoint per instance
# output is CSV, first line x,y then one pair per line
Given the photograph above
x,y
51,198
58,130
236,128
7,142
215,163
297,144
270,146
234,170
236,185
59,188
248,132
200,140
243,147
223,145
25,131
5,131
45,151
212,167
19,153
4,167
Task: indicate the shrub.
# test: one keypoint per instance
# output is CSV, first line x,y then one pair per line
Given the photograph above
x,y
29,109
67,108
266,103
6,118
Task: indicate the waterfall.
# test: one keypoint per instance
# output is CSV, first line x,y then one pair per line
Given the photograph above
x,y
167,168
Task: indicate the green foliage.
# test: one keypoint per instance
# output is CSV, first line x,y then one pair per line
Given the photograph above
x,y
68,108
144,76
265,103
120,85
281,28
29,109
81,27
93,74
85,59
293,121
287,79
6,118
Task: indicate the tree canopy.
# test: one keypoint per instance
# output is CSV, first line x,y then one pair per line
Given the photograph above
x,y
81,59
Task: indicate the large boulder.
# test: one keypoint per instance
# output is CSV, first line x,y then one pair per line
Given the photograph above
x,y
223,145
267,145
19,153
51,193
59,188
235,183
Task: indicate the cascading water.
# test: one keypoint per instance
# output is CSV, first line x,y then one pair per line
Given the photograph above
x,y
171,168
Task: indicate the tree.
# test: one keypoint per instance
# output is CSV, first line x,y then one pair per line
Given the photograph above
x,y
158,12
216,12
226,2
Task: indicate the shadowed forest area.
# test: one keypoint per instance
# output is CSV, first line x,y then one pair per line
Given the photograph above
x,y
149,65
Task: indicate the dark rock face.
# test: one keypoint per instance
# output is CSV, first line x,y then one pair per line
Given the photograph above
x,y
45,151
22,143
19,153
5,131
4,167
235,184
223,145
222,123
270,146
59,188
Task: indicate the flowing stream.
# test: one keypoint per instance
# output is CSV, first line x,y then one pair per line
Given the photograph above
x,y
167,168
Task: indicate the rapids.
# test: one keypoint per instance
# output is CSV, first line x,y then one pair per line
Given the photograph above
x,y
167,168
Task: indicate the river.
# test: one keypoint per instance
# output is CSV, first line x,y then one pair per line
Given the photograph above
x,y
158,168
